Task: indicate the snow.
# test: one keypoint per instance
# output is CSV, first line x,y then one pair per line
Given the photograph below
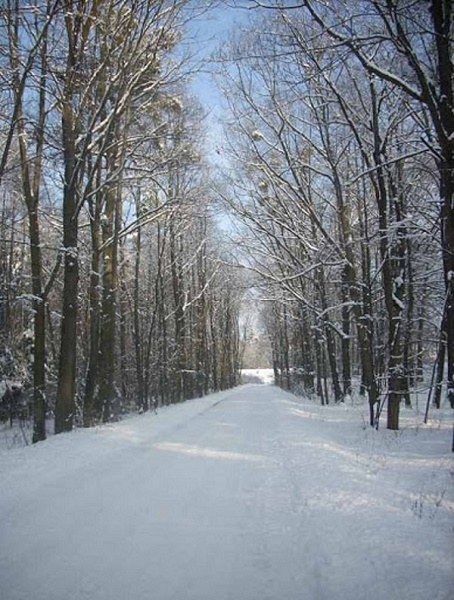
x,y
248,494
8,383
257,135
264,376
398,302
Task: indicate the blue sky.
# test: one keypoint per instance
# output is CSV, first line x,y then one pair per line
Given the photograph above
x,y
210,31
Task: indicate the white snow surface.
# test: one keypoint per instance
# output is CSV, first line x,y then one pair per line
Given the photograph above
x,y
248,494
264,376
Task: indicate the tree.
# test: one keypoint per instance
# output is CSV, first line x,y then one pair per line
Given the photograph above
x,y
116,49
319,144
102,159
29,35
429,80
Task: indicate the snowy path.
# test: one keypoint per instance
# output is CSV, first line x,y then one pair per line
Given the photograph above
x,y
244,495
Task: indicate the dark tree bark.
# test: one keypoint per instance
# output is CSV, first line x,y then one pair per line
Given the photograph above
x,y
94,204
31,173
79,18
433,89
106,396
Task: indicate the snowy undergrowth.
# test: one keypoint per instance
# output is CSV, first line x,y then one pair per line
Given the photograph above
x,y
417,453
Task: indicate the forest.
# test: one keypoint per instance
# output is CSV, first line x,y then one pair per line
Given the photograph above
x,y
122,290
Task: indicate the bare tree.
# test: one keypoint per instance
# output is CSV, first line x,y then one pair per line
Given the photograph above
x,y
117,50
421,36
21,24
318,144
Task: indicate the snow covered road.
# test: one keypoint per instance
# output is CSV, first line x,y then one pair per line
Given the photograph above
x,y
249,494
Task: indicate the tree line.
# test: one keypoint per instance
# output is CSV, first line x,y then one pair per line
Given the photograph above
x,y
114,292
342,132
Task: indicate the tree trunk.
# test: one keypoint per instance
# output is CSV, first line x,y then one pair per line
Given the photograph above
x,y
92,369
139,342
214,347
179,317
126,386
330,342
440,365
105,399
443,117
39,346
66,391
346,346
31,174
446,169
